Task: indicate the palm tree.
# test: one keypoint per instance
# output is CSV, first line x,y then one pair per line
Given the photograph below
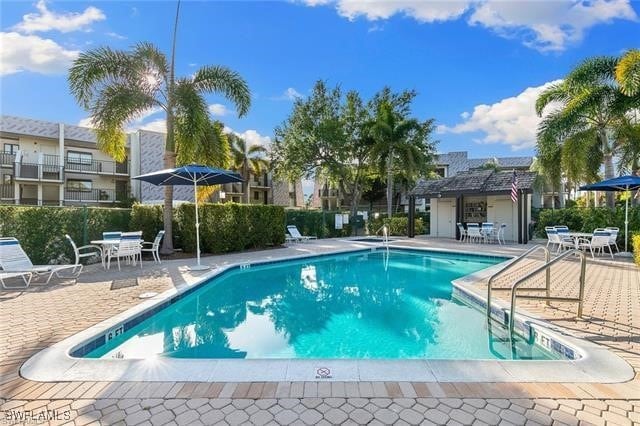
x,y
247,160
628,73
116,86
400,145
591,104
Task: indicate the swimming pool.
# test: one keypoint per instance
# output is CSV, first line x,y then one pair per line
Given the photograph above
x,y
376,304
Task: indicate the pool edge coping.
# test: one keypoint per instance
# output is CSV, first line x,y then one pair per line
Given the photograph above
x,y
55,363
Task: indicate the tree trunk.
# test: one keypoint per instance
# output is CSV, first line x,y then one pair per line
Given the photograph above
x,y
170,148
245,174
390,185
608,165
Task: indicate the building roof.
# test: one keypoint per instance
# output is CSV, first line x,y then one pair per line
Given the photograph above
x,y
475,182
459,161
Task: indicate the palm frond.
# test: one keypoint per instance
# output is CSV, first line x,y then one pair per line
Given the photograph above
x,y
94,69
628,73
191,119
557,92
594,71
230,84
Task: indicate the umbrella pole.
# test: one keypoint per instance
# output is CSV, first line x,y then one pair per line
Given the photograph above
x,y
626,222
198,266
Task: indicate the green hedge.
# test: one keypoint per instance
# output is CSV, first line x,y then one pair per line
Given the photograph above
x,y
397,225
223,228
230,227
636,248
318,223
41,229
586,219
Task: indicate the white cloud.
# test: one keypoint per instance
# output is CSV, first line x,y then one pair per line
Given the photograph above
x,y
549,25
290,94
158,125
116,35
46,20
86,122
32,53
252,137
512,121
423,11
218,110
541,25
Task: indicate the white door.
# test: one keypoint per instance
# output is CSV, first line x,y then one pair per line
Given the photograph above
x,y
503,212
446,217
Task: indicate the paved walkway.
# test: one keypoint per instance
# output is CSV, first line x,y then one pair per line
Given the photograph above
x,y
32,320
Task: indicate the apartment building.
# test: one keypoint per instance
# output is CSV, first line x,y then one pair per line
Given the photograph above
x,y
47,163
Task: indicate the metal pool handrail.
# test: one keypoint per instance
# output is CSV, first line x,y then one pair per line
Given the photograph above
x,y
508,267
385,235
545,267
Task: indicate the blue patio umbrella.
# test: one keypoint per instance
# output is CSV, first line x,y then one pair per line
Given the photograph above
x,y
619,184
195,175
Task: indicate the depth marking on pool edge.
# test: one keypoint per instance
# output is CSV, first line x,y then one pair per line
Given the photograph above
x,y
323,373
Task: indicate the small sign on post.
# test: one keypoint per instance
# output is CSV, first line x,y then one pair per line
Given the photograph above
x,y
338,221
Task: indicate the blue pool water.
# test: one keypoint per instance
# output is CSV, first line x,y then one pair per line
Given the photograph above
x,y
358,305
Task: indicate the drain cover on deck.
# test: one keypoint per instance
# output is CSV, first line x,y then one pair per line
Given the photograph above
x,y
148,295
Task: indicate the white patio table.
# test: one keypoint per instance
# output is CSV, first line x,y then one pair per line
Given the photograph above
x,y
106,246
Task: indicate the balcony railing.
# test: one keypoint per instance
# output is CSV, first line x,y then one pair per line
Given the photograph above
x,y
7,191
38,171
7,159
97,166
94,195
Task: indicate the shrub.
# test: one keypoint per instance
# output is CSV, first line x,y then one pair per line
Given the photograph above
x,y
318,223
148,219
41,230
230,227
636,248
397,225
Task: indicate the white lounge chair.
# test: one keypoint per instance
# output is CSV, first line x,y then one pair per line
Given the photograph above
x,y
293,231
130,247
89,250
26,277
289,239
155,246
13,259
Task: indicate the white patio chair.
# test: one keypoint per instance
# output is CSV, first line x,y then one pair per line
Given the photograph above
x,y
598,242
13,259
463,232
293,230
553,238
154,247
109,235
130,248
473,233
289,239
613,238
89,250
487,231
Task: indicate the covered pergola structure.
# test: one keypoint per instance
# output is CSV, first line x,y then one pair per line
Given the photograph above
x,y
478,196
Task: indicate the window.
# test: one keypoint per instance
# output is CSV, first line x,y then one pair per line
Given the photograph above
x,y
256,195
442,171
79,157
7,179
79,185
11,148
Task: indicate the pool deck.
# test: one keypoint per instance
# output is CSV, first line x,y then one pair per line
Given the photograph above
x,y
34,319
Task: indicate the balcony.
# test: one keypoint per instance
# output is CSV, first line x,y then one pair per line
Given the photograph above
x,y
7,191
96,167
94,195
7,159
34,171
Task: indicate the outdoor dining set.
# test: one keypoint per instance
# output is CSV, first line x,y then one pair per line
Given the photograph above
x,y
16,264
486,232
599,241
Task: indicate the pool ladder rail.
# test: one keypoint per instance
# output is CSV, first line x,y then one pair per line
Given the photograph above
x,y
546,268
385,235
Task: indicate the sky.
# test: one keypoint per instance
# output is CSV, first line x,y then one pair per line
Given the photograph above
x,y
477,66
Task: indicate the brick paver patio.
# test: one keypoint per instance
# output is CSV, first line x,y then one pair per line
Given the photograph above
x,y
34,319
